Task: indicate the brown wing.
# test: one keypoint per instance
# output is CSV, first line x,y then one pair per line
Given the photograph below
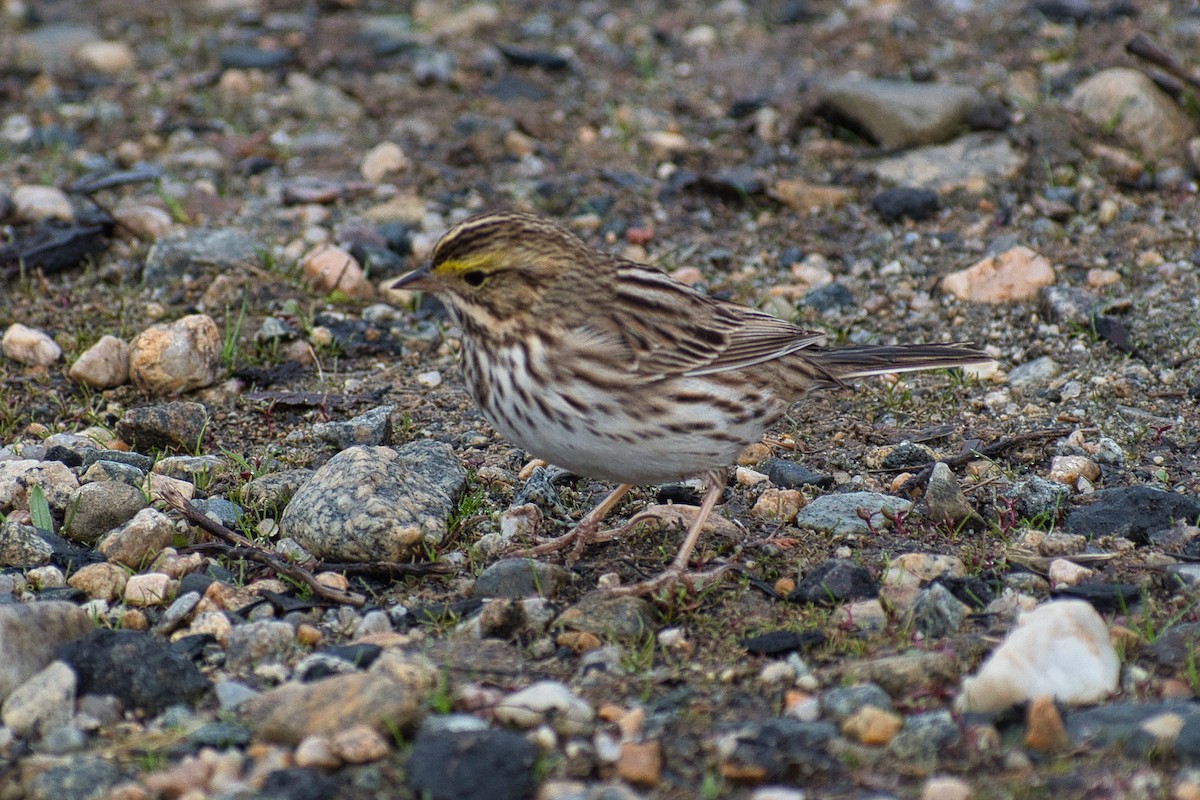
x,y
667,328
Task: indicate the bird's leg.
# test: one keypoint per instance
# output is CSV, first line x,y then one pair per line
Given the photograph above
x,y
582,533
678,569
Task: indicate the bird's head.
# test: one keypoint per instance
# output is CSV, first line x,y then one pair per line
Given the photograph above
x,y
491,267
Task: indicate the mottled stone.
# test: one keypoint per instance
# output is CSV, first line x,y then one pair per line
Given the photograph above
x,y
99,507
293,711
165,426
375,503
223,250
22,546
138,541
42,703
178,356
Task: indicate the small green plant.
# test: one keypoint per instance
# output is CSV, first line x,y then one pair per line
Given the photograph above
x,y
39,509
440,701
229,345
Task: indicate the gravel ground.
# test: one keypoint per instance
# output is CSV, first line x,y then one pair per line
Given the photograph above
x,y
206,390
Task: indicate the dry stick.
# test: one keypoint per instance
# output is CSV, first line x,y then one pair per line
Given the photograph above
x,y
987,451
1142,46
245,547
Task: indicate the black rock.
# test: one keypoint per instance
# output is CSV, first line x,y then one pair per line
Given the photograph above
x,y
472,765
1104,596
176,425
834,581
1113,331
1134,512
790,475
990,115
1174,646
298,784
64,455
360,655
526,57
135,667
775,643
903,201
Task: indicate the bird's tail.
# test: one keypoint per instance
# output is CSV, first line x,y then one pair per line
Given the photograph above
x,y
839,364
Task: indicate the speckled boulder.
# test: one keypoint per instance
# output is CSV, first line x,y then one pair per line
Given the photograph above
x,y
376,503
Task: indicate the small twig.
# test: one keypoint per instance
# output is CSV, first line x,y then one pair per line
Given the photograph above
x,y
1142,46
987,451
245,547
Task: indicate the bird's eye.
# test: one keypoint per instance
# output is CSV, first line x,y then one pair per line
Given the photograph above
x,y
474,278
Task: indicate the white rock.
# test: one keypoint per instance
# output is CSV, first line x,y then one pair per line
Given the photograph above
x,y
430,380
1059,649
1062,572
28,346
382,160
106,57
546,701
34,203
149,589
103,365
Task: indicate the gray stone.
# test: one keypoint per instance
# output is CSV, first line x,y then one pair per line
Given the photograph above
x,y
29,635
839,513
925,737
164,426
221,250
231,694
896,114
944,501
96,508
22,546
376,503
79,778
273,491
842,702
115,471
1038,499
1034,374
372,428
521,577
1128,103
256,643
49,48
936,612
973,163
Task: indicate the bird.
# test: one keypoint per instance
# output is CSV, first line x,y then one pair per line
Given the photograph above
x,y
613,370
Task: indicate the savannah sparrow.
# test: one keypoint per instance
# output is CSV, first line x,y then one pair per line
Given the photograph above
x,y
616,371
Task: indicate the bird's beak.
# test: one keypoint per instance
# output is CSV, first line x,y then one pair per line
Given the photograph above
x,y
418,280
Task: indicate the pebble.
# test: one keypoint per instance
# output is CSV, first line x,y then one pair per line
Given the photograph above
x,y
1016,274
136,542
105,57
148,589
778,505
945,787
839,513
137,668
45,701
28,346
1137,112
898,114
329,268
382,160
39,203
99,581
1027,664
103,365
835,580
546,702
223,251
448,765
1044,728
174,357
292,711
640,763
